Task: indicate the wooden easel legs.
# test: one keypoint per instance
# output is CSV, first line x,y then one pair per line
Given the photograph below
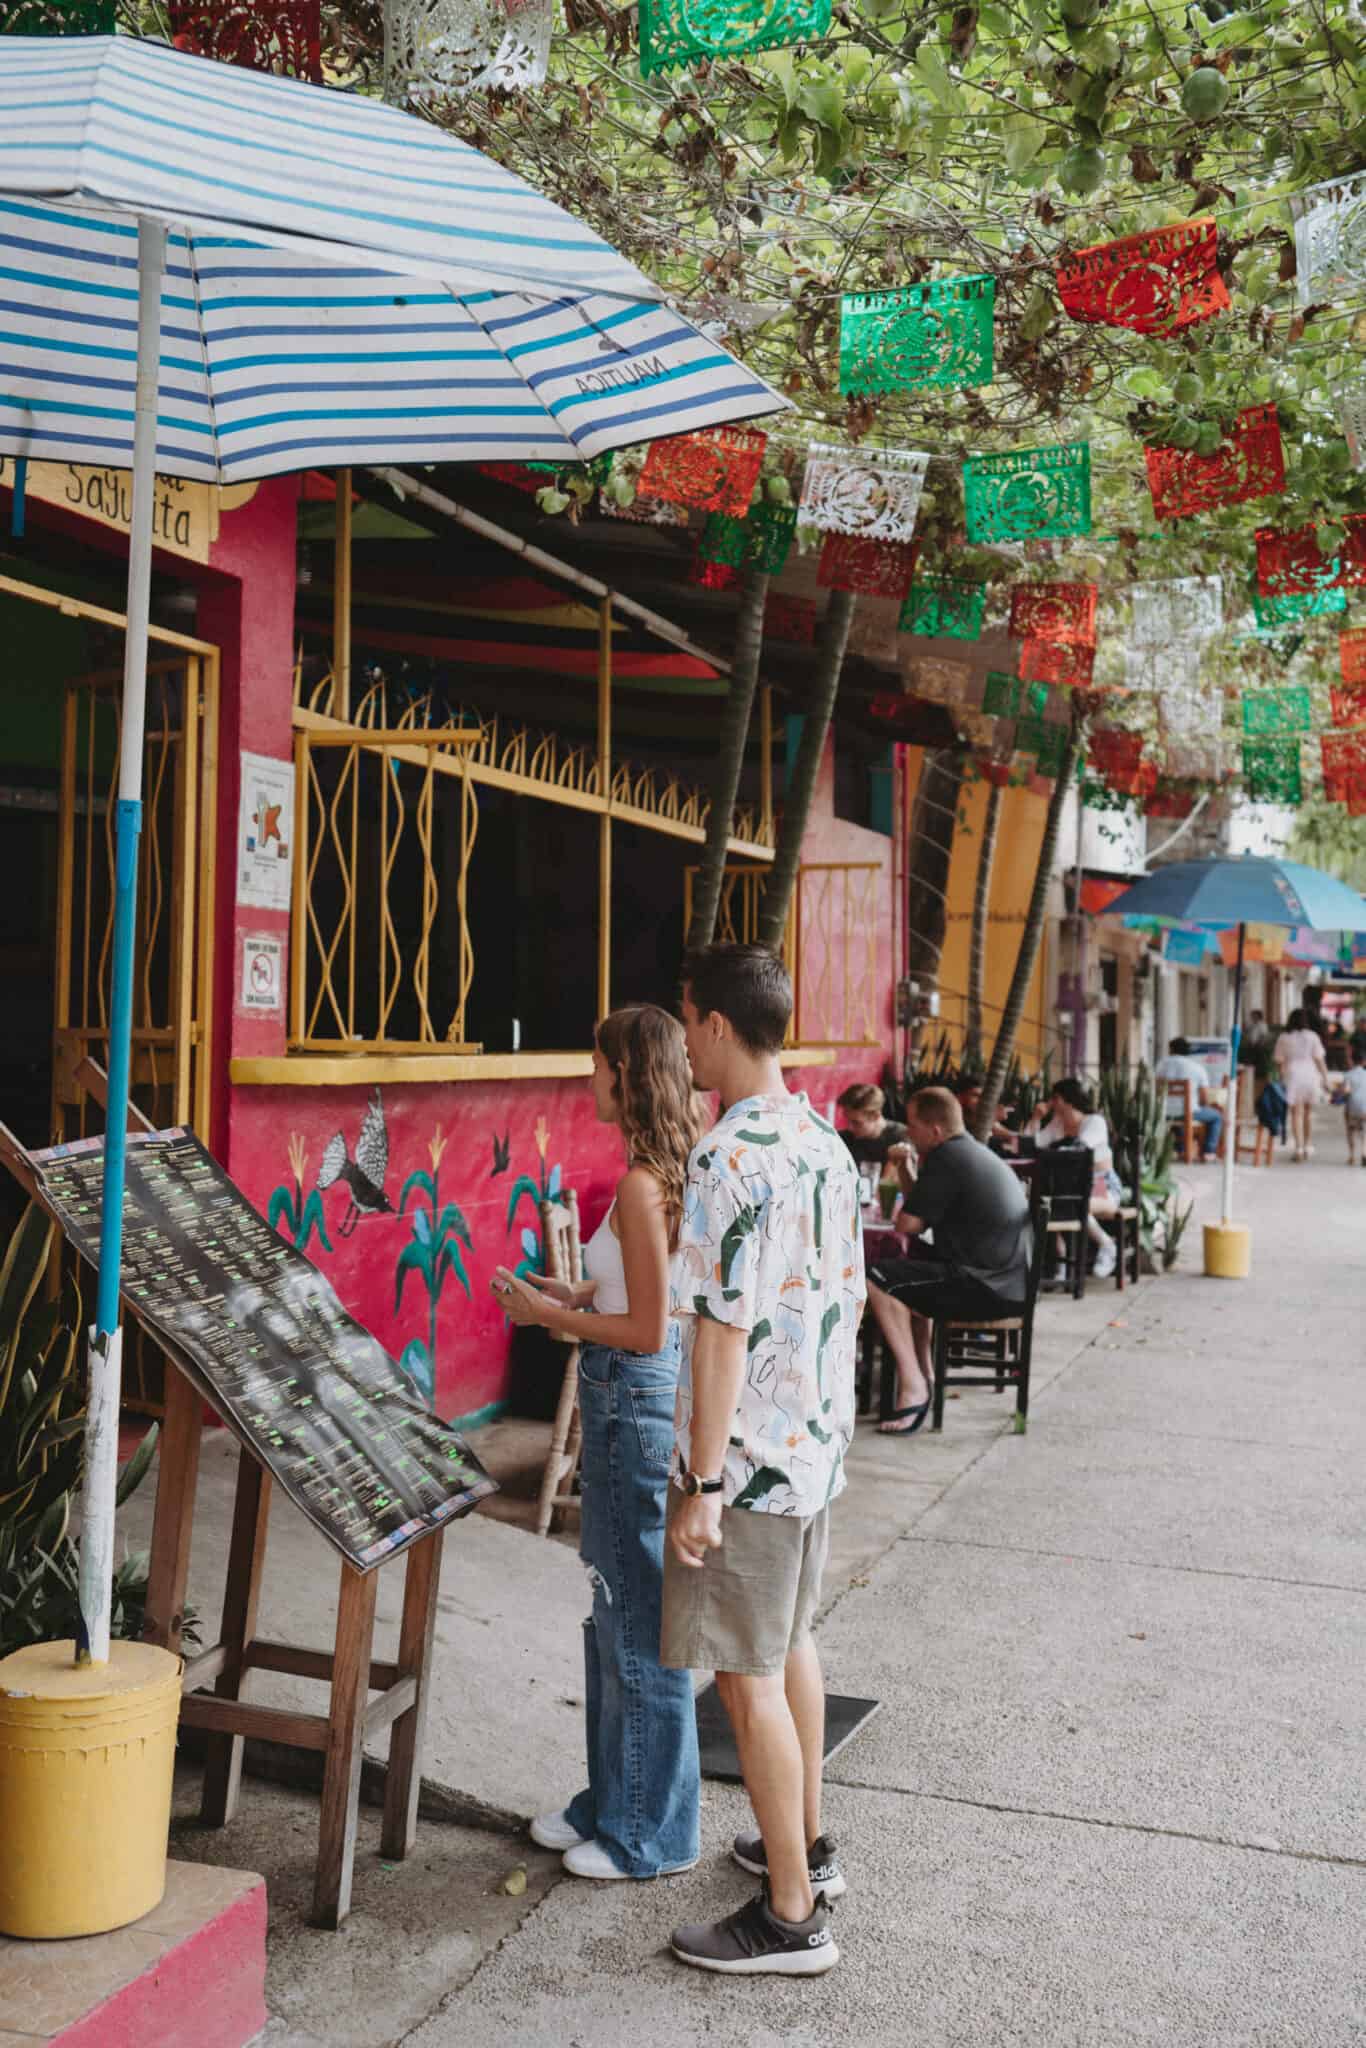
x,y
342,1757
246,1561
349,1669
416,1631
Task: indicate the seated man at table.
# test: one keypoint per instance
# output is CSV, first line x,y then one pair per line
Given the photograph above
x,y
978,1210
869,1135
1180,1066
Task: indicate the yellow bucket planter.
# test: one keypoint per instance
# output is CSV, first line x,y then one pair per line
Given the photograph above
x,y
86,1757
1228,1251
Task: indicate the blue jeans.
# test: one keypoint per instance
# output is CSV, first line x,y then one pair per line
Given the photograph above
x,y
643,1788
1211,1122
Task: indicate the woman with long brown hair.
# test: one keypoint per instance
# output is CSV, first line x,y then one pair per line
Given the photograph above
x,y
638,1816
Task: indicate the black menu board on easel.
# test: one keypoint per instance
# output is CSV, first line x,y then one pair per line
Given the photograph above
x,y
261,1333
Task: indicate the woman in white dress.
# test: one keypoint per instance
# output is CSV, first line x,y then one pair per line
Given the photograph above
x,y
1304,1077
638,1814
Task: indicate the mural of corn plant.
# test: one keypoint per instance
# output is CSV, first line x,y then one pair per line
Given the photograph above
x,y
300,1215
544,1188
433,1251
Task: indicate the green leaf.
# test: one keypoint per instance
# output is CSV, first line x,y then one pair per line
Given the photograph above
x,y
450,1258
822,101
523,1185
779,65
418,1179
934,74
135,1471
414,1258
451,1218
1022,140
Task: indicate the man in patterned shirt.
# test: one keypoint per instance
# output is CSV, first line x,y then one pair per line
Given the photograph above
x,y
768,1283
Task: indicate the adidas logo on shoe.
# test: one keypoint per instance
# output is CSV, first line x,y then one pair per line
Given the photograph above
x,y
822,1863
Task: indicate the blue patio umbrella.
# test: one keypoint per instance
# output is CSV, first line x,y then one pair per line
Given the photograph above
x,y
1243,889
217,274
1230,894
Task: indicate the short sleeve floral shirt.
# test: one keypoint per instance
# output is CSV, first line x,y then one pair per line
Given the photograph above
x,y
771,1243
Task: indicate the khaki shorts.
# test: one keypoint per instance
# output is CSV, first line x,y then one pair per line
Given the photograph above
x,y
752,1601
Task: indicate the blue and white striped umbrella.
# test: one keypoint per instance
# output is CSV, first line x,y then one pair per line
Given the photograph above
x,y
219,275
344,283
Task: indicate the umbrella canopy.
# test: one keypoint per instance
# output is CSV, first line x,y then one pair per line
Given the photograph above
x,y
214,274
1247,890
343,284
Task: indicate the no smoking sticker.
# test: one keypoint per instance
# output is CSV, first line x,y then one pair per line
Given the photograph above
x,y
262,972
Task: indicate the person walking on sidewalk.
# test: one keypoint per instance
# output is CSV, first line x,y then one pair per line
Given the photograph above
x,y
769,1283
1304,1077
638,1815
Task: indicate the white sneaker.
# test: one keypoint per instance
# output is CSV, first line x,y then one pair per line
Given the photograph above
x,y
1107,1258
552,1831
590,1859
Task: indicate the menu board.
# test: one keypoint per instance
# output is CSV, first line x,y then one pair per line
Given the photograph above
x,y
263,1336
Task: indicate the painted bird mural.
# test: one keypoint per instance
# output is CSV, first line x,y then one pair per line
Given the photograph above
x,y
363,1175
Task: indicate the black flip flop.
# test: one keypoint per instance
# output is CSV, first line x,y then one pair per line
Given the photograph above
x,y
920,1410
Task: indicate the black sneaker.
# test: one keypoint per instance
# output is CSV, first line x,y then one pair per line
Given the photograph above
x,y
754,1941
821,1862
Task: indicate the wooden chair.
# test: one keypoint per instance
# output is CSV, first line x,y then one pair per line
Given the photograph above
x,y
564,1261
1124,1224
1063,1177
997,1352
1262,1143
874,1370
1184,1118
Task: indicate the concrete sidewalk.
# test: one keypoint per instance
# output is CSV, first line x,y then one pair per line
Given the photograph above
x,y
1114,1792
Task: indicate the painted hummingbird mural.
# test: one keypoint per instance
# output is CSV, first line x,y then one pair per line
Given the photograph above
x,y
363,1175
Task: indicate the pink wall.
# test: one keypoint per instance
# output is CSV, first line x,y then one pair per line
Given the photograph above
x,y
542,1125
246,607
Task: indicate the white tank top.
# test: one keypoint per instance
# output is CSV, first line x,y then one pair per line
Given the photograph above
x,y
603,1264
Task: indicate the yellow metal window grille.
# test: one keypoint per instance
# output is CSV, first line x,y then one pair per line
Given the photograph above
x,y
506,754
385,827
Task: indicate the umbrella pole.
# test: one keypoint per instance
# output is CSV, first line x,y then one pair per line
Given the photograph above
x,y
106,1338
1231,1126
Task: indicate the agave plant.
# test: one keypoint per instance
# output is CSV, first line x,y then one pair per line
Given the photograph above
x,y
1135,1107
42,1426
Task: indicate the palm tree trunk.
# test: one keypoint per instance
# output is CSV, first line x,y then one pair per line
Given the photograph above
x,y
981,905
1030,936
782,878
730,757
933,822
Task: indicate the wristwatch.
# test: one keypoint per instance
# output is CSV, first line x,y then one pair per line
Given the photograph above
x,y
692,1484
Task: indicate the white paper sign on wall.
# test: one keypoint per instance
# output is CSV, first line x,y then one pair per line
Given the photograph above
x,y
263,971
265,833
